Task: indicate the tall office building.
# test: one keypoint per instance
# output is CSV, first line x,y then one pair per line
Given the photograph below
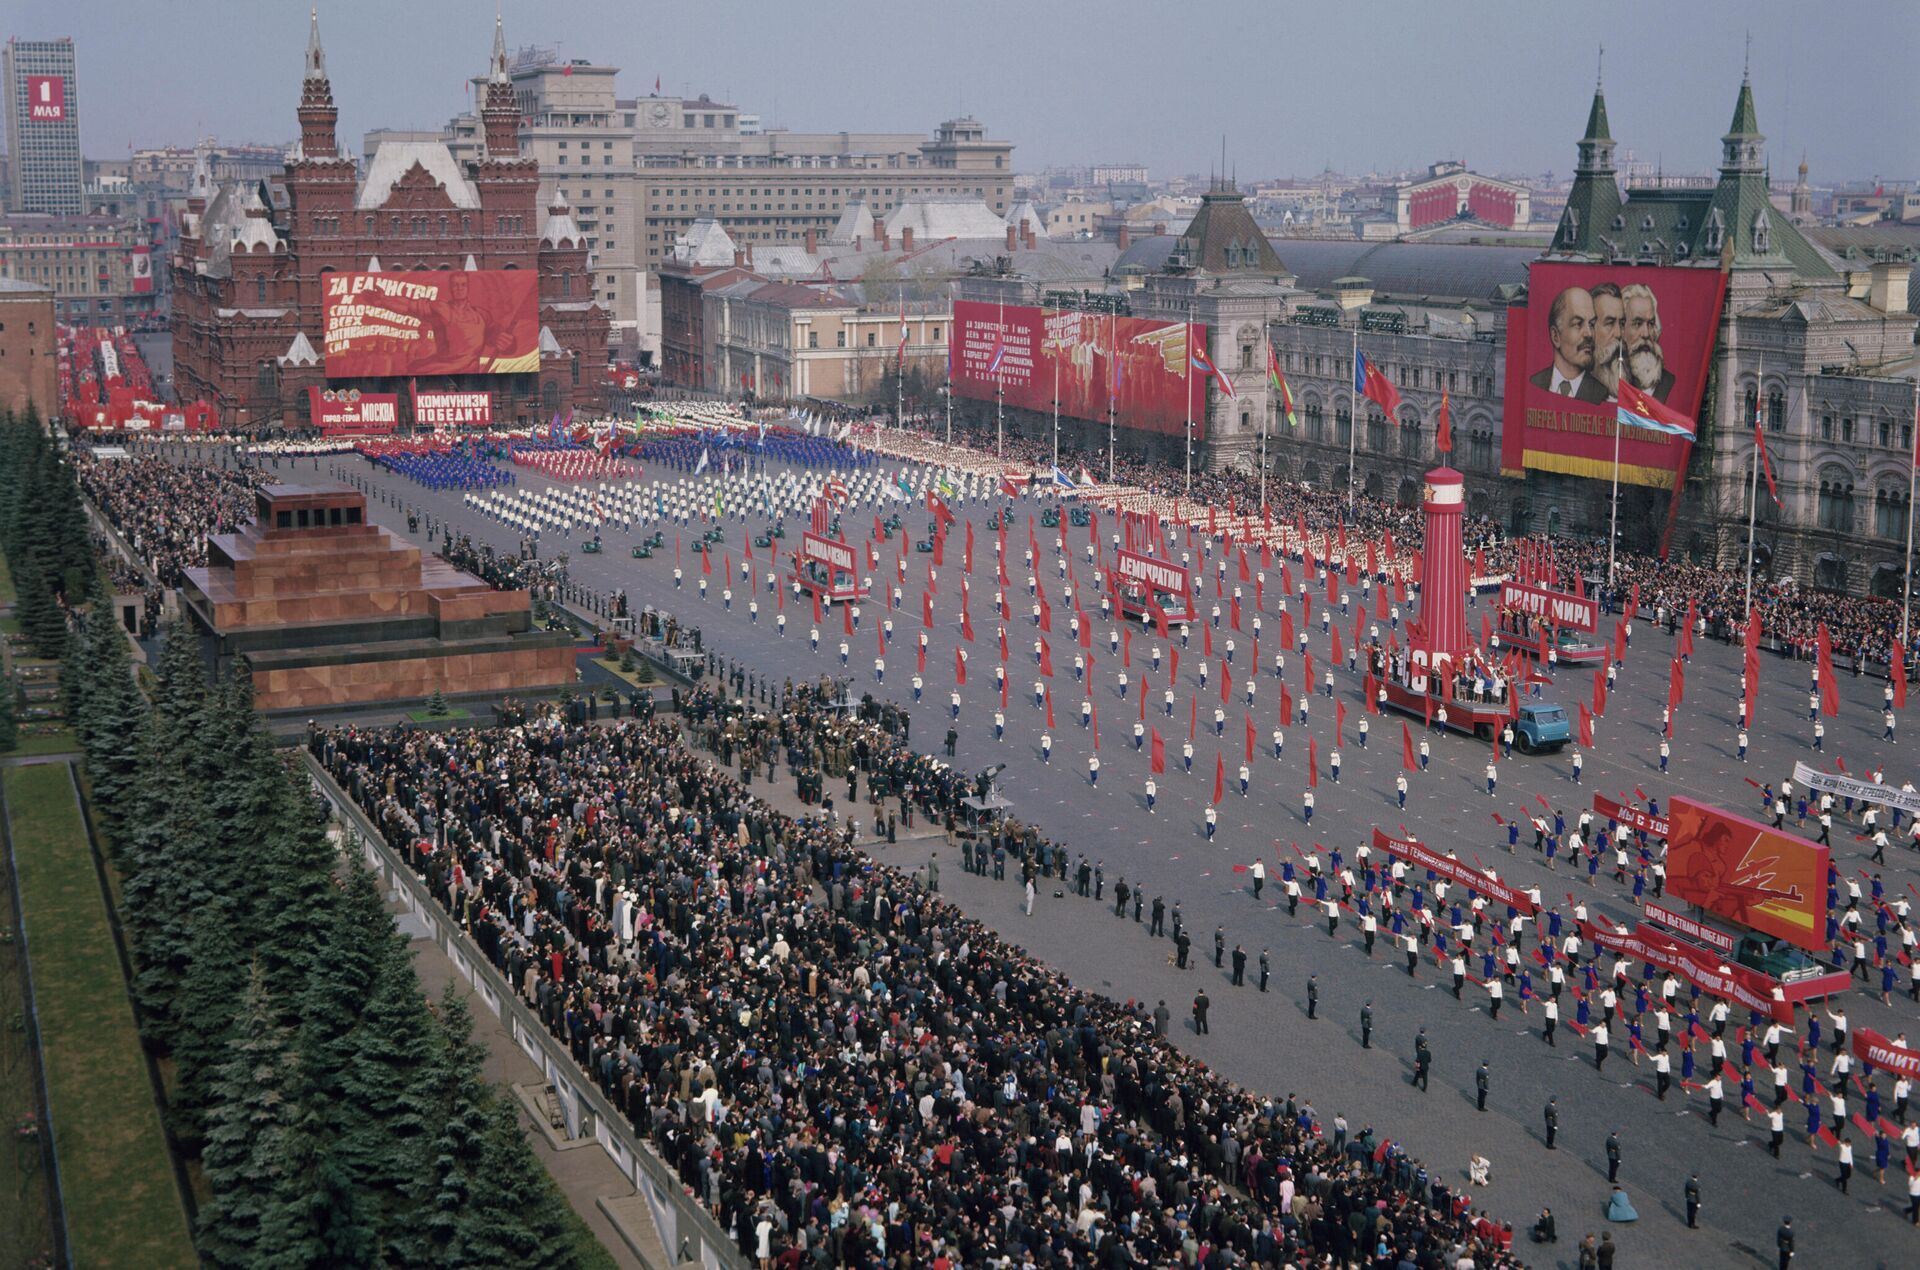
x,y
43,126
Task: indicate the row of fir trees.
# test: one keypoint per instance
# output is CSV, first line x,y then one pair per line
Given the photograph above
x,y
43,530
338,1119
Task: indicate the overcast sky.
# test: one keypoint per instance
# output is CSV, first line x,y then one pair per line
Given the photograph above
x,y
1502,84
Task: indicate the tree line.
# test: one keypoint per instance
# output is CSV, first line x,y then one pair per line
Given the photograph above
x,y
335,1116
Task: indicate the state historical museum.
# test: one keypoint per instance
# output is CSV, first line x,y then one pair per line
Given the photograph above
x,y
419,280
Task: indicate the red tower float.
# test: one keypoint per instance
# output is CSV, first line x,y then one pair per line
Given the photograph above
x,y
1443,570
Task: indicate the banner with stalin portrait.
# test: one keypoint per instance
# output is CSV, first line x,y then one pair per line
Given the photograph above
x,y
1745,872
1584,328
454,322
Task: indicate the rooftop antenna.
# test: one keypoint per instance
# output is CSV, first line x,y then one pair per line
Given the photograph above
x,y
1600,70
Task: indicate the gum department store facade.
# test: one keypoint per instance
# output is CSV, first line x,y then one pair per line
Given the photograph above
x,y
1823,346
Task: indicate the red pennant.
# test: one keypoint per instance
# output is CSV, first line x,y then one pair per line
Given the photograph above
x,y
1407,759
1159,753
1313,762
1219,778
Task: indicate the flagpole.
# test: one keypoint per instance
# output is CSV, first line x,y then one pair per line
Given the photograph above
x,y
1753,484
1189,395
1113,353
1613,518
1353,412
1265,420
1906,579
1056,410
999,389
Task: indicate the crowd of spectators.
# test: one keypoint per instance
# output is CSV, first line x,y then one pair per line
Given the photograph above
x,y
845,1069
165,511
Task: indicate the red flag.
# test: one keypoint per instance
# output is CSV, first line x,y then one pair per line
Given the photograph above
x,y
1219,778
1586,727
1286,704
1003,643
1376,387
967,567
1046,659
1126,646
959,667
1096,729
1338,655
926,610
1049,708
1226,683
1313,762
1900,687
1206,640
1159,752
1407,759
816,609
1193,716
1145,688
706,563
1371,689
1250,742
1235,613
1443,440
966,626
1339,722
1676,684
846,619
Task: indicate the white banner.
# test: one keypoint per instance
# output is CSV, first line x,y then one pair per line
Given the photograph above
x,y
1858,790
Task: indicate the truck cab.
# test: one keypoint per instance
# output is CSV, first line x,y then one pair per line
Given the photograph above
x,y
1541,728
1775,958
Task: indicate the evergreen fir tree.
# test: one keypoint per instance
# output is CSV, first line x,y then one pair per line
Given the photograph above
x,y
444,1227
387,1080
203,1014
349,949
517,1205
41,619
111,712
158,853
249,1116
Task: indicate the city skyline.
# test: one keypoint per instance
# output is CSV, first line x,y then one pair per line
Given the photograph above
x,y
1668,104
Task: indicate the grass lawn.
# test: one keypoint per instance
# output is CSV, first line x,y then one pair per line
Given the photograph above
x,y
26,1215
117,1181
428,716
62,741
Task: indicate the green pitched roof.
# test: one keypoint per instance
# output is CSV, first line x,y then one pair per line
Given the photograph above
x,y
1745,122
1597,119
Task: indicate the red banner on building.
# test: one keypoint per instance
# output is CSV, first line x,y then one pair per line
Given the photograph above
x,y
1141,368
1745,872
1583,327
1454,870
1632,817
350,412
1553,606
46,99
453,409
458,322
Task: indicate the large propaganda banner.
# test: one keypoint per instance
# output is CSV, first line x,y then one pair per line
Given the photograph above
x,y
1138,366
1632,817
352,412
456,322
1554,606
1582,329
1885,1053
453,409
46,98
1745,872
1715,975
